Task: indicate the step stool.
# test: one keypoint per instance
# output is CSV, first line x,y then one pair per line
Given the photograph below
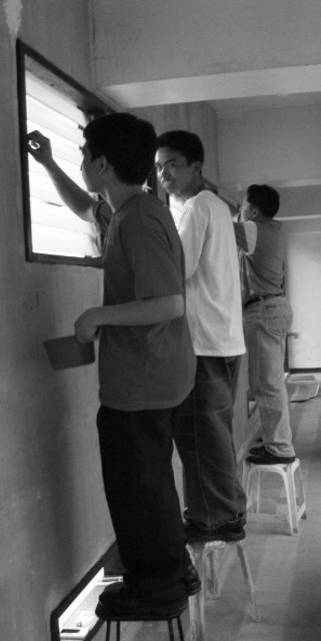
x,y
207,559
169,618
294,491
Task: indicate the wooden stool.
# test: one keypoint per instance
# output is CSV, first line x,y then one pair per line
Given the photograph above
x,y
207,560
294,492
170,618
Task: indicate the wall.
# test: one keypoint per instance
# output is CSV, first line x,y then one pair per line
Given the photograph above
x,y
188,38
197,117
281,145
54,521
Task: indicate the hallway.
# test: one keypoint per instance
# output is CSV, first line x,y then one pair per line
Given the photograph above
x,y
286,570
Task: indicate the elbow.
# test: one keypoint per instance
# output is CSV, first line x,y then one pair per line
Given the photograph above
x,y
178,306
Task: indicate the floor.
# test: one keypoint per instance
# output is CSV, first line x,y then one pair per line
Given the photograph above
x,y
286,569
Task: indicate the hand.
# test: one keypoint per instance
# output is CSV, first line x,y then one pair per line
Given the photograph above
x,y
86,326
39,147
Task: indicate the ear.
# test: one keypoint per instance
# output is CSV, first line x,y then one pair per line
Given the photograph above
x,y
197,166
103,164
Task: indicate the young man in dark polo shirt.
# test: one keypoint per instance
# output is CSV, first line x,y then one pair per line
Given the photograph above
x,y
146,365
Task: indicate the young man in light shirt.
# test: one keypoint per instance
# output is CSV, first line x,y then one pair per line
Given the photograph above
x,y
215,501
267,318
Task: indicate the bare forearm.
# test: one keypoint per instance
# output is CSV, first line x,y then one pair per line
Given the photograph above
x,y
142,312
139,312
75,198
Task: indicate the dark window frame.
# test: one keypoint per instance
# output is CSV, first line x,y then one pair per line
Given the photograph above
x,y
91,105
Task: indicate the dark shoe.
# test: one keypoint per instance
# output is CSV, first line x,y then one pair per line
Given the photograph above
x,y
191,579
257,450
119,599
257,443
230,531
267,458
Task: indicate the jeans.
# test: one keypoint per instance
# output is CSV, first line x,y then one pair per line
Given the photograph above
x,y
136,453
204,440
266,323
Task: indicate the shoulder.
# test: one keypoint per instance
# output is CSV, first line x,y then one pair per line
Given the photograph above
x,y
147,214
206,201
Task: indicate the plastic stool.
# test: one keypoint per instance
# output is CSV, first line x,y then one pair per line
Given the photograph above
x,y
170,618
294,491
207,560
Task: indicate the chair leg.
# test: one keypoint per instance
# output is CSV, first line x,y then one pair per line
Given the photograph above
x,y
214,572
290,499
258,492
301,494
108,624
197,602
180,628
170,630
248,580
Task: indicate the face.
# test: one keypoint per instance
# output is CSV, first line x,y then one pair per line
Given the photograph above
x,y
90,170
174,173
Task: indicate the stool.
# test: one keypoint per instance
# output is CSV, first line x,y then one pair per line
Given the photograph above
x,y
294,492
169,618
207,560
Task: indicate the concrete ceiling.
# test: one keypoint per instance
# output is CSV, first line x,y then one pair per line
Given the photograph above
x,y
232,53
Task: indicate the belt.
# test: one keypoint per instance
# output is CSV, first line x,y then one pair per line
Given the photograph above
x,y
257,299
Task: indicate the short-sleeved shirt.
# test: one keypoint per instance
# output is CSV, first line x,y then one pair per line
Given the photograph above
x,y
146,366
262,257
213,289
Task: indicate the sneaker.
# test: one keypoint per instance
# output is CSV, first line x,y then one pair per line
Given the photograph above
x,y
121,600
230,531
191,579
264,457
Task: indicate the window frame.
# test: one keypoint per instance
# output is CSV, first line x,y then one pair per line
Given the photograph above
x,y
90,104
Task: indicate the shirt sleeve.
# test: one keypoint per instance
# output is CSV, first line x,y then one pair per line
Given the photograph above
x,y
246,236
155,263
192,229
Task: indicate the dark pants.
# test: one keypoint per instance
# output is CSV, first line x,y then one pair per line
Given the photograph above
x,y
136,454
204,440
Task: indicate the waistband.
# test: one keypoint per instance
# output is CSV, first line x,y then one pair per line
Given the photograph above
x,y
257,299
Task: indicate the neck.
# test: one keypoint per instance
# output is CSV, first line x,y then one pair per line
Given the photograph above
x,y
191,190
118,194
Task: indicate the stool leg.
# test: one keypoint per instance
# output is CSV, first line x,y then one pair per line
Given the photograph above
x,y
170,630
247,482
180,628
108,630
258,491
118,631
213,566
301,494
291,499
197,602
248,580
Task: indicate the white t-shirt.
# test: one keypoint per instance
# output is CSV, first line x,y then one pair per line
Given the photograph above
x,y
213,291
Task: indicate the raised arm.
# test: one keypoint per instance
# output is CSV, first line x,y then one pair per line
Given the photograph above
x,y
75,198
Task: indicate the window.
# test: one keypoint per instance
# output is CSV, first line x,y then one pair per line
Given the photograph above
x,y
75,617
60,108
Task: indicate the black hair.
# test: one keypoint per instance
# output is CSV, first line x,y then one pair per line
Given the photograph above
x,y
264,198
128,143
186,143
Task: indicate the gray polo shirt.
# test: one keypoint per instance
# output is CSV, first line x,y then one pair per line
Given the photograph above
x,y
151,366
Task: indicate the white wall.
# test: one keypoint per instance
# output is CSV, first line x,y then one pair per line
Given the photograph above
x,y
279,145
147,40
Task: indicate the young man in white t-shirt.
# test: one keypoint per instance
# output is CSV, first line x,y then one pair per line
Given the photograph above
x,y
215,501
